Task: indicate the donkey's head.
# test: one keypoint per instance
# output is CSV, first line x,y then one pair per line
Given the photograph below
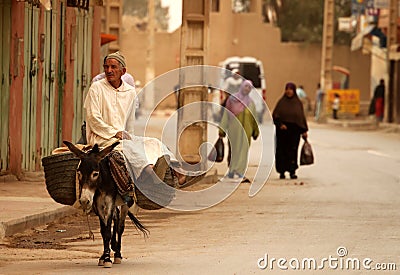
x,y
88,171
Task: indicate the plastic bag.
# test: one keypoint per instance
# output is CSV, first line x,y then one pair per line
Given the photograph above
x,y
217,153
306,155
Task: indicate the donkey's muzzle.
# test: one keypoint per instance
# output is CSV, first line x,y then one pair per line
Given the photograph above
x,y
86,200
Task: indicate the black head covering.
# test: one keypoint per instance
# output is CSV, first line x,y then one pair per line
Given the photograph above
x,y
290,110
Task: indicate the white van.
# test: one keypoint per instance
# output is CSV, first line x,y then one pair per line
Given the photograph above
x,y
252,69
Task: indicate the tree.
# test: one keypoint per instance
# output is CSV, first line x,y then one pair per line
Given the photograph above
x,y
138,8
302,21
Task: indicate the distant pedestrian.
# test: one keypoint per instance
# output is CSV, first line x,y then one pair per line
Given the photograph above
x,y
233,82
379,100
240,124
302,95
230,86
300,92
336,106
319,102
290,123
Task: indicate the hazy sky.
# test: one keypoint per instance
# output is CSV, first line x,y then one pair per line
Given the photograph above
x,y
175,13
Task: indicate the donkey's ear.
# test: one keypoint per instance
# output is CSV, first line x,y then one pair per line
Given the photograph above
x,y
107,150
74,149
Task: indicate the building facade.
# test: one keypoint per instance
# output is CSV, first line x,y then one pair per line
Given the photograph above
x,y
378,36
48,52
246,34
51,49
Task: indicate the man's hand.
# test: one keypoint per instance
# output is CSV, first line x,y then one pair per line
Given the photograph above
x,y
283,127
123,135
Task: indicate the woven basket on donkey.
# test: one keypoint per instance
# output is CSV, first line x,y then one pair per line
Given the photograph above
x,y
160,192
60,176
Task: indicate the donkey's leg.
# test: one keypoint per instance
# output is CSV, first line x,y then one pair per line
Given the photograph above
x,y
120,231
105,230
114,243
105,210
115,228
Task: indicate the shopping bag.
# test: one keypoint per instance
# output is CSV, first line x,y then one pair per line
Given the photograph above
x,y
306,155
217,153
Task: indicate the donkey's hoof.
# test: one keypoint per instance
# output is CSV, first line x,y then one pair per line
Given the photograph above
x,y
117,260
107,264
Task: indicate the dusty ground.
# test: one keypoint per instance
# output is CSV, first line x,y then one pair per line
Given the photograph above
x,y
349,199
54,235
223,229
73,237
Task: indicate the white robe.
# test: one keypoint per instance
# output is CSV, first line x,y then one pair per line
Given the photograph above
x,y
232,85
110,110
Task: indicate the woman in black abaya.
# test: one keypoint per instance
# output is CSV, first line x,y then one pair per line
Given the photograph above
x,y
290,123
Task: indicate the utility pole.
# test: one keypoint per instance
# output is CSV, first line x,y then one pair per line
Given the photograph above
x,y
150,74
391,84
327,51
192,126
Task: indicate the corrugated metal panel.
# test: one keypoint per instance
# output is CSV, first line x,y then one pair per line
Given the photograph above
x,y
29,155
48,127
5,29
61,74
82,67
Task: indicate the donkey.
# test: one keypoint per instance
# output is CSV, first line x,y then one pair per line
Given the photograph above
x,y
98,192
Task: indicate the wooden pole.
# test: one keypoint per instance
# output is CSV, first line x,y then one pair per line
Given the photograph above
x,y
192,129
327,52
150,74
391,85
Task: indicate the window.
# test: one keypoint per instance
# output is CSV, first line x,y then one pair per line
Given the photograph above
x,y
240,6
83,4
251,71
215,6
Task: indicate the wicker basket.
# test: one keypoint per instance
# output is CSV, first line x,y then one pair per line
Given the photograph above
x,y
60,176
165,195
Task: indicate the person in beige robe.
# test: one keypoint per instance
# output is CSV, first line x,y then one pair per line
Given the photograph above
x,y
110,116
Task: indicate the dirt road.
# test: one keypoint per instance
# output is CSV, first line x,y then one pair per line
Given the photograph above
x,y
226,239
342,213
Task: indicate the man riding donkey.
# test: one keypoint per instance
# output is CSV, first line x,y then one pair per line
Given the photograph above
x,y
110,116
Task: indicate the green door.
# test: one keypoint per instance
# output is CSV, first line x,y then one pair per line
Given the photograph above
x,y
49,122
5,19
82,68
29,154
61,75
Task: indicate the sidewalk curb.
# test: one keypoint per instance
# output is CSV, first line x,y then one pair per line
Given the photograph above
x,y
354,124
19,225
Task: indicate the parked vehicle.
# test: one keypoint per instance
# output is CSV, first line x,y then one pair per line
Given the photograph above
x,y
252,69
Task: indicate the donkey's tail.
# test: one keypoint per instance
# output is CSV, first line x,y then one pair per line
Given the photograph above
x,y
138,224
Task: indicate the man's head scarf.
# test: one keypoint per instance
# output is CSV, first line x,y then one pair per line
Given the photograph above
x,y
117,56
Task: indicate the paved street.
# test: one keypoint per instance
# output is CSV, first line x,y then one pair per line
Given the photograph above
x,y
347,202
